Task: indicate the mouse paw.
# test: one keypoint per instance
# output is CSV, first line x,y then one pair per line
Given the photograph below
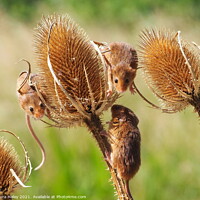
x,y
132,89
109,93
104,133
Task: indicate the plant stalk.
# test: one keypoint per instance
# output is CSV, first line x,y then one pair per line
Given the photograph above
x,y
95,126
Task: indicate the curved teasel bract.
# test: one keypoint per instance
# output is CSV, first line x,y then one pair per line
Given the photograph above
x,y
8,160
171,69
72,75
12,174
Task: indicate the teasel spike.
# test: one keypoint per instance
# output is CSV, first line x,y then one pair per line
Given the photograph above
x,y
90,91
18,179
103,63
62,107
162,98
74,103
196,45
198,48
176,88
194,78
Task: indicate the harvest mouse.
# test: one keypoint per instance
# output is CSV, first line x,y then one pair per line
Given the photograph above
x,y
28,97
31,103
123,62
124,137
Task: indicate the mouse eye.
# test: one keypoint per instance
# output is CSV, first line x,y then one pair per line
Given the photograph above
x,y
127,80
33,87
116,80
31,109
42,105
115,121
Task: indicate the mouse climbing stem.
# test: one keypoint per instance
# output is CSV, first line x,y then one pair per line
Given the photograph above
x,y
95,126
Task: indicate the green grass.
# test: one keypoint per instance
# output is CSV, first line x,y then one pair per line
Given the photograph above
x,y
74,166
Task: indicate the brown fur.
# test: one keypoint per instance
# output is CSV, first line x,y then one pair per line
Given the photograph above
x,y
125,143
123,60
29,99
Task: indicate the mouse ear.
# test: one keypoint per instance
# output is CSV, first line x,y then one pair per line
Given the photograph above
x,y
134,60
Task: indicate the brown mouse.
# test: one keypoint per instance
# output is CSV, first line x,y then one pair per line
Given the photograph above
x,y
28,97
125,139
31,103
123,62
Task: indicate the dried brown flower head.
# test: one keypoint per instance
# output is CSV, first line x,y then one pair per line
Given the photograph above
x,y
171,69
12,173
71,70
8,160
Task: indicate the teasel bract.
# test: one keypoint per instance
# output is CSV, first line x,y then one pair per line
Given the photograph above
x,y
171,69
72,71
13,174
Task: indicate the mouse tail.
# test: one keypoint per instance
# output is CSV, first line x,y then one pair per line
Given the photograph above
x,y
38,142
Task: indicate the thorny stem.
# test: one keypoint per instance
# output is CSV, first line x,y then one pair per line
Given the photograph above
x,y
95,126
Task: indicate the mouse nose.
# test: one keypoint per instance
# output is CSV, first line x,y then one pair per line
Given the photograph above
x,y
38,115
121,90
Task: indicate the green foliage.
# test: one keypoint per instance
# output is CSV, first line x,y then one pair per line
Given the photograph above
x,y
124,12
21,9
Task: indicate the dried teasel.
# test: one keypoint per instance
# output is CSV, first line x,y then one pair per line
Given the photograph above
x,y
171,69
73,80
72,72
12,174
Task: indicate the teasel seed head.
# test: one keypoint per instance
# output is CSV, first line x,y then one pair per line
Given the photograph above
x,y
171,69
12,174
71,70
8,160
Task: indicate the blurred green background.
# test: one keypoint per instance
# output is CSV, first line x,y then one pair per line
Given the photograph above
x,y
170,142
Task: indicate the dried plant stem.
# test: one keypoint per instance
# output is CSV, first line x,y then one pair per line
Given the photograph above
x,y
95,126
